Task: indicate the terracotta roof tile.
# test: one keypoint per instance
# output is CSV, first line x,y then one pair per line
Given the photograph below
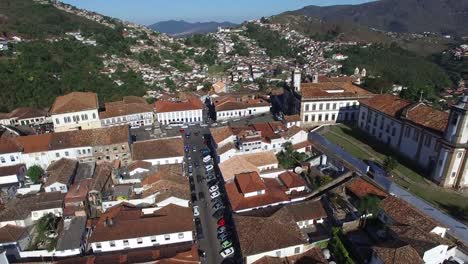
x,y
62,171
227,103
192,103
255,233
74,102
35,143
311,256
91,137
307,210
27,112
420,240
122,109
129,222
361,188
12,233
387,103
428,117
249,182
221,133
403,213
397,252
158,149
11,170
291,179
8,145
332,89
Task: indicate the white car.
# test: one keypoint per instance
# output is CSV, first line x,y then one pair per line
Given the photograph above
x,y
209,167
207,159
213,188
215,194
226,252
196,211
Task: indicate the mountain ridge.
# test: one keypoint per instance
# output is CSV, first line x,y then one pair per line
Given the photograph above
x,y
181,28
446,17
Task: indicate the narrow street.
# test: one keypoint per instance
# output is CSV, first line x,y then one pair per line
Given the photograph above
x,y
206,236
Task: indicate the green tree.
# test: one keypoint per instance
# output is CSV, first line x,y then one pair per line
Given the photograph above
x,y
369,204
170,84
35,173
288,157
262,83
390,164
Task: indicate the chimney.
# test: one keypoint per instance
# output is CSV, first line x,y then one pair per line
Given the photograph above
x,y
315,78
109,221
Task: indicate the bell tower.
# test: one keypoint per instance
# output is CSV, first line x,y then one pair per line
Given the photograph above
x,y
451,168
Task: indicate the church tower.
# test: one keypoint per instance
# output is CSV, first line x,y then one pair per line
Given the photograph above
x,y
297,79
451,168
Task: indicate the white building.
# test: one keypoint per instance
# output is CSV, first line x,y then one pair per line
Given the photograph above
x,y
230,107
432,139
24,116
26,210
179,112
127,227
289,240
75,111
10,152
330,102
60,175
133,111
159,151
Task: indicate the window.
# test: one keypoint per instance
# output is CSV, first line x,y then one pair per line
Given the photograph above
x,y
125,242
454,119
313,107
334,106
306,118
57,155
79,152
407,131
12,158
94,115
320,106
327,106
98,245
278,253
2,159
53,189
459,155
57,121
167,237
112,243
66,153
180,235
333,117
416,135
297,250
306,107
153,239
139,241
427,142
313,118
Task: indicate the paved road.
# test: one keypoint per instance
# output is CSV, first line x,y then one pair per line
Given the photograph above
x,y
456,228
210,243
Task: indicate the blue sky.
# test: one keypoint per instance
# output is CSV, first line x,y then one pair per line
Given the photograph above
x,y
151,11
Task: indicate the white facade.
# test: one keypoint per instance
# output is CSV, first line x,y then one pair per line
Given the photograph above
x,y
147,200
35,215
141,242
57,187
88,119
168,160
180,117
238,113
134,120
329,111
10,159
280,253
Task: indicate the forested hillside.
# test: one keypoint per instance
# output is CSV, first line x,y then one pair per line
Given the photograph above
x,y
33,72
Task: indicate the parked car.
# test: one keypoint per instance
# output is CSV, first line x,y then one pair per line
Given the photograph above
x,y
213,188
215,194
209,167
375,169
226,252
226,243
194,197
223,231
221,222
201,196
224,236
199,178
199,229
207,159
205,152
194,149
196,211
201,253
187,135
217,206
218,214
211,179
181,131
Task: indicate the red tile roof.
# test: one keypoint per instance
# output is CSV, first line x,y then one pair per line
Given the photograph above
x,y
397,252
158,149
405,214
361,188
333,90
74,102
122,109
249,182
192,103
291,179
129,222
35,143
227,103
387,103
91,137
307,210
8,145
12,233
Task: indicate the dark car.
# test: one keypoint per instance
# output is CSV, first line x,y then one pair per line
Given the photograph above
x,y
197,133
199,229
187,135
194,197
223,236
217,206
375,169
205,152
201,196
218,214
199,178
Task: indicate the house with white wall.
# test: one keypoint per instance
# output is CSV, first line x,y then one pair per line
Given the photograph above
x,y
75,111
10,152
179,111
133,111
159,151
308,213
24,116
330,102
232,107
60,175
434,140
288,239
128,227
24,211
11,178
